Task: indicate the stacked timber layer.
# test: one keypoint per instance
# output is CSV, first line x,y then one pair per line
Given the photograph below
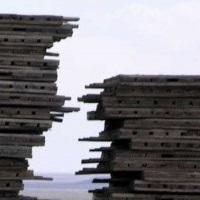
x,y
28,93
153,124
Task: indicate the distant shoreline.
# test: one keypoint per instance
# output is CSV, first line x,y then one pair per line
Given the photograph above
x,y
60,194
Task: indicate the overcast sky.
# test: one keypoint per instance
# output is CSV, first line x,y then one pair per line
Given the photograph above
x,y
115,37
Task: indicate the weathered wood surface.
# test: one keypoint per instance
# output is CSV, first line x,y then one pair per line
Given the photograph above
x,y
28,87
28,75
13,164
191,124
178,187
140,133
153,125
130,196
29,62
15,151
32,100
119,113
29,103
21,139
11,185
35,19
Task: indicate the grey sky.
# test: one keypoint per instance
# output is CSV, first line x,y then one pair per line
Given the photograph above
x,y
115,36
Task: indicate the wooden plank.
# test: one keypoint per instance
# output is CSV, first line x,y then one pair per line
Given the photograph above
x,y
154,92
21,175
15,67
31,37
26,52
146,78
32,100
142,102
87,171
135,196
175,176
15,151
165,144
28,75
63,30
135,84
136,133
26,44
24,124
144,157
147,155
29,62
92,160
8,194
57,36
139,165
38,27
16,175
101,194
192,124
131,113
150,102
13,164
21,140
44,20
28,87
156,186
90,98
11,185
133,133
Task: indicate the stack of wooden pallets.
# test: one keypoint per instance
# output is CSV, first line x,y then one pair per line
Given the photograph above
x,y
28,93
153,124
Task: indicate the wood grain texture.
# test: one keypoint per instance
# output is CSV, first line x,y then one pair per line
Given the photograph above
x,y
29,103
153,126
